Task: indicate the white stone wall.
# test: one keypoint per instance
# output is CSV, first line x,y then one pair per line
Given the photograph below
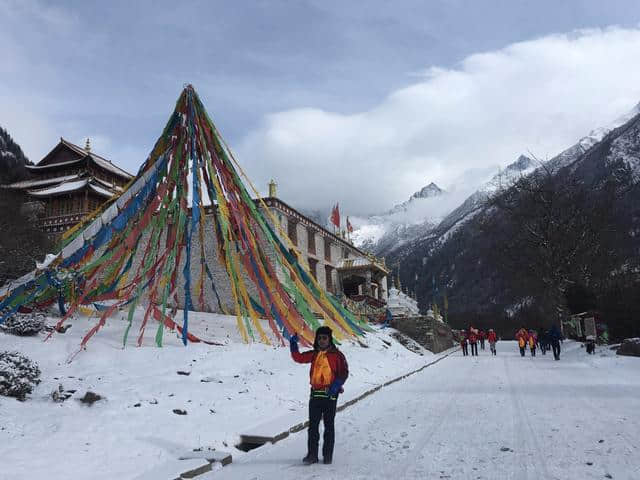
x,y
219,274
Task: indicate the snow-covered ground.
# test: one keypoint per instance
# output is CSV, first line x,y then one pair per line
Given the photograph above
x,y
488,417
228,389
485,417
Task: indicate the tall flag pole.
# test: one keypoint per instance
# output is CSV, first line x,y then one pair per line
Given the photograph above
x,y
349,229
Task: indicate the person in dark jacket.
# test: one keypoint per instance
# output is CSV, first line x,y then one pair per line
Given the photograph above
x,y
555,337
492,338
329,370
543,341
463,345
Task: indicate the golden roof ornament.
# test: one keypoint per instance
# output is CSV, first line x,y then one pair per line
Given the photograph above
x,y
272,188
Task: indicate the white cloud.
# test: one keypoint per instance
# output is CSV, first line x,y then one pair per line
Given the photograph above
x,y
539,96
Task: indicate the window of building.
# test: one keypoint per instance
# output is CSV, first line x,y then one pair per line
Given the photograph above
x,y
345,252
327,249
311,234
313,267
292,231
328,277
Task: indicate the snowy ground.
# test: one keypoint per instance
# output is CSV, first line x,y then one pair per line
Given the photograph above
x,y
229,389
503,417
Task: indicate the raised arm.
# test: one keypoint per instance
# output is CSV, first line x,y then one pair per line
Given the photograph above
x,y
304,357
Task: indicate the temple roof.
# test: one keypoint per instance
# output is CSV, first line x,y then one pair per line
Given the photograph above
x,y
368,262
73,186
81,155
40,183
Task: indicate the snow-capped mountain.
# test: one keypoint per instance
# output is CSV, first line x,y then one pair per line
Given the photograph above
x,y
469,249
423,209
430,191
385,237
585,143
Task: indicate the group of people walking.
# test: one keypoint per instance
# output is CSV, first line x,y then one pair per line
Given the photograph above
x,y
547,340
527,339
473,336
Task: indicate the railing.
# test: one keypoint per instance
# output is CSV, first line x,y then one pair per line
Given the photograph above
x,y
59,220
374,302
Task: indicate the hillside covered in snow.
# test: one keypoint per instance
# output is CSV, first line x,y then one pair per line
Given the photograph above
x,y
563,232
160,403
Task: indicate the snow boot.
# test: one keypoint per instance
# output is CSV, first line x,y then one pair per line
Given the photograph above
x,y
309,459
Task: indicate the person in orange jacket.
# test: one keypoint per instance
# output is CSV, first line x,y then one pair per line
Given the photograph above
x,y
492,338
522,336
533,342
329,370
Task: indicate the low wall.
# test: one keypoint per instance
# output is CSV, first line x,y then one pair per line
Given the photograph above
x,y
428,332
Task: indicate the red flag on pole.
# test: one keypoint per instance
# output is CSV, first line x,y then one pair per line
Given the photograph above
x,y
335,215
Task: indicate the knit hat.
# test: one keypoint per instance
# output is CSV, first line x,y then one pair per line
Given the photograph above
x,y
323,331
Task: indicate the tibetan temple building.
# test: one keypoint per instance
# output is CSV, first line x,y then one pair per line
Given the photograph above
x,y
338,265
68,183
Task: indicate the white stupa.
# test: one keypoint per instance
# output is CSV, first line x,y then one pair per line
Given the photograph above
x,y
400,304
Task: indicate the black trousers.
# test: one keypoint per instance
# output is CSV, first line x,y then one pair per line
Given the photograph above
x,y
556,350
325,409
474,349
482,343
522,349
465,350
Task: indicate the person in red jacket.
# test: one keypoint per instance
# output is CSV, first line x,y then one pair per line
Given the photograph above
x,y
473,341
329,370
492,338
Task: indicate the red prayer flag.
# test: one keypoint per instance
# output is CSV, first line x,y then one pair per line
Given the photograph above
x,y
349,226
335,215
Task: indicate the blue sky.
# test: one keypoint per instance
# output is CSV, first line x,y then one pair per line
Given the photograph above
x,y
324,96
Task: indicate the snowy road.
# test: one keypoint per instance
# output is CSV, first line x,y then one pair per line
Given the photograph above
x,y
481,418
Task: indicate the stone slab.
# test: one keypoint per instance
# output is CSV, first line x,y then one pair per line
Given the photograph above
x,y
210,456
176,470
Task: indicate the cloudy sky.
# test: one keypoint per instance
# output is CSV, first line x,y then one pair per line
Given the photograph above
x,y
361,102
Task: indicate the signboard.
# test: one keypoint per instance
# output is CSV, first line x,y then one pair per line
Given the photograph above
x,y
590,327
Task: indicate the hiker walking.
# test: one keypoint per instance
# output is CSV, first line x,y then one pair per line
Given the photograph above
x,y
473,341
481,336
463,345
555,337
522,336
329,370
492,338
543,341
533,341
